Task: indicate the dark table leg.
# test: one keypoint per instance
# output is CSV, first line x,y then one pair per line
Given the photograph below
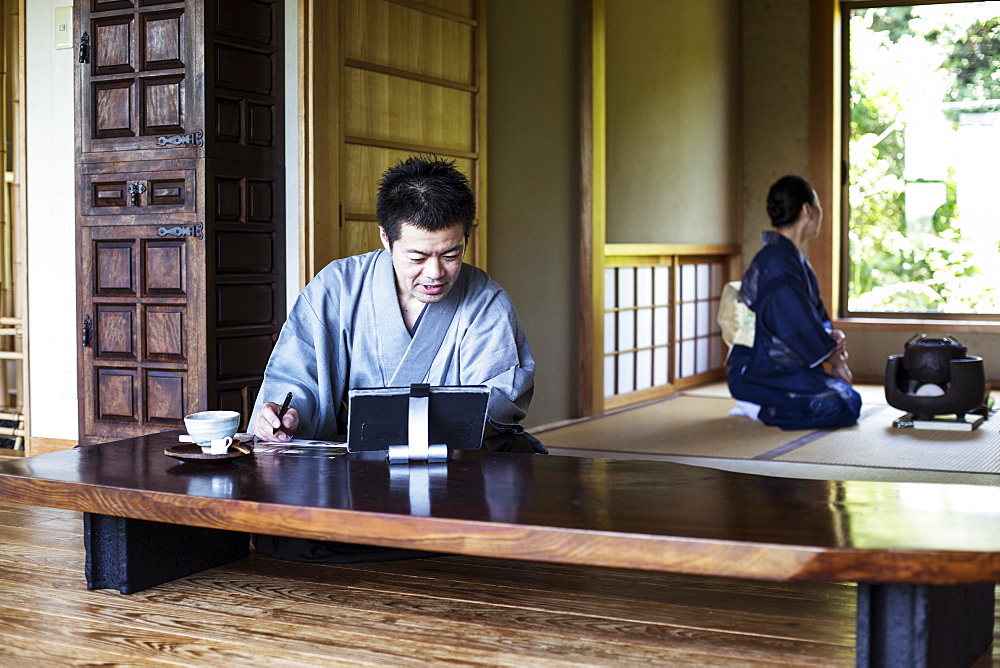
x,y
920,626
131,555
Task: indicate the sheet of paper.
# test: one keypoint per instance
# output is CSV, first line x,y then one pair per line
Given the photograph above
x,y
305,443
301,447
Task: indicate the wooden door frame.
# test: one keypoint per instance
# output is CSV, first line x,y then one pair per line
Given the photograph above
x,y
593,204
18,207
319,135
825,142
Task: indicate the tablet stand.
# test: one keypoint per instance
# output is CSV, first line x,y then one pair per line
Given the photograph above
x,y
418,432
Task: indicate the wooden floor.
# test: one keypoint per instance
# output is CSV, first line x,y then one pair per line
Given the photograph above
x,y
458,610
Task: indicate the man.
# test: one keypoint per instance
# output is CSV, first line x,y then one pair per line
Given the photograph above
x,y
411,313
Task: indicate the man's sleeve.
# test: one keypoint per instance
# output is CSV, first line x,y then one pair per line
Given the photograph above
x,y
302,356
495,353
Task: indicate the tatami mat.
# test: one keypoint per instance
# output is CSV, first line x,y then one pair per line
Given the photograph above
x,y
681,425
870,394
875,442
717,390
695,427
786,469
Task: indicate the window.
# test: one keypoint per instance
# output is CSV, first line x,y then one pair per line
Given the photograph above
x,y
660,325
922,134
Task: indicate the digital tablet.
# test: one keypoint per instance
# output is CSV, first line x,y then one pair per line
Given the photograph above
x,y
378,418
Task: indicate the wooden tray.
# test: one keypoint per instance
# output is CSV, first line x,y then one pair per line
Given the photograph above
x,y
191,452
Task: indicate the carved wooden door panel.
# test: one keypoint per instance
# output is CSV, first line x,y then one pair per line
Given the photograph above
x,y
137,187
140,330
136,92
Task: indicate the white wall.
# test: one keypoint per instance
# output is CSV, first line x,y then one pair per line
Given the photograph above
x,y
52,323
52,326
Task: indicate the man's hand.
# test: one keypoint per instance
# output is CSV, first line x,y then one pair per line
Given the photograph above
x,y
266,422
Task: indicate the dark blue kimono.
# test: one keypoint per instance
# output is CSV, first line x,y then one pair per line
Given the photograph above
x,y
783,372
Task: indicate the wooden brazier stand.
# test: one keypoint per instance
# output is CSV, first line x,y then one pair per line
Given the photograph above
x,y
927,556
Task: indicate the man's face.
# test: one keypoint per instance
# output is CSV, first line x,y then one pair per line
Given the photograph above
x,y
426,263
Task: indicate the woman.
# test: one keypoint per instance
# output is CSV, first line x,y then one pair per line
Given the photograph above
x,y
781,380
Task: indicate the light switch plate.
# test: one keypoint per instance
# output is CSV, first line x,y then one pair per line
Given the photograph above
x,y
62,19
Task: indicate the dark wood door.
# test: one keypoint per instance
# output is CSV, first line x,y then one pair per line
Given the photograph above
x,y
179,208
142,324
137,173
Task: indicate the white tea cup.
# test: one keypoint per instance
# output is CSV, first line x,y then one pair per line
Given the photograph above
x,y
208,426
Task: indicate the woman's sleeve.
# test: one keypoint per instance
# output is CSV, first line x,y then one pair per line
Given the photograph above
x,y
789,314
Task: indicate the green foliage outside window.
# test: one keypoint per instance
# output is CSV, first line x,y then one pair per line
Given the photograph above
x,y
896,266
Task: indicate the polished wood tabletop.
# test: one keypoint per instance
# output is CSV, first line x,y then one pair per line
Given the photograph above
x,y
624,513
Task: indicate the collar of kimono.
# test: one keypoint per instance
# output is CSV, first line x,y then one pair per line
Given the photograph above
x,y
404,358
772,237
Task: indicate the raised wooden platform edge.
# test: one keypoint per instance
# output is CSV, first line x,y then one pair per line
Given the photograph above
x,y
696,556
38,445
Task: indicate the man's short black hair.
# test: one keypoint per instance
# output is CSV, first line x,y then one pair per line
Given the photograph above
x,y
429,193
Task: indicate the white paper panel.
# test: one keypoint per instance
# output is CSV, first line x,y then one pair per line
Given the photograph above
x,y
701,361
644,328
689,291
661,326
704,319
661,366
609,332
687,349
626,287
626,330
687,328
704,284
609,375
644,286
643,369
610,289
661,285
626,373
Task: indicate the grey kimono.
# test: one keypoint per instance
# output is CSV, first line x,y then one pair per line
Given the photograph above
x,y
346,331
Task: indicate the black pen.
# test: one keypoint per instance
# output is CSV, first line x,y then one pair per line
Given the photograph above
x,y
281,411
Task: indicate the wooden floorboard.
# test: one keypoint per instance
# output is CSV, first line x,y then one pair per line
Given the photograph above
x,y
442,610
623,604
548,615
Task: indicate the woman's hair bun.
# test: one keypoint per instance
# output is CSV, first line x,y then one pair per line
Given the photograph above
x,y
776,210
786,197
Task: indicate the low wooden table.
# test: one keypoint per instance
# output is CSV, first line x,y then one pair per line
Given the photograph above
x,y
927,556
